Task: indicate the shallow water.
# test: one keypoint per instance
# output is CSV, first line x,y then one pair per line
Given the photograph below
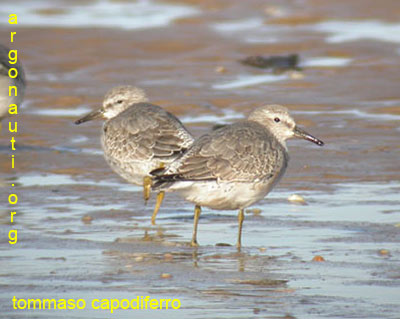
x,y
84,233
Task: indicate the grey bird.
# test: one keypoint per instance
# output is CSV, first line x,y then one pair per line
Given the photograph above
x,y
7,63
235,166
138,137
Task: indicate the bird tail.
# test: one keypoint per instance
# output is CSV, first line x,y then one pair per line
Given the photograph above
x,y
161,181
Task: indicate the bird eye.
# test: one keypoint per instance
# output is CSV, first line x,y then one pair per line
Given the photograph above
x,y
119,101
277,119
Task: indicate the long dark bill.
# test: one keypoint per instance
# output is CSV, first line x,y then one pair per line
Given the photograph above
x,y
91,116
298,132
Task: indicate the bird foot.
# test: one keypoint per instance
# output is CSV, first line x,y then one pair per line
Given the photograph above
x,y
194,243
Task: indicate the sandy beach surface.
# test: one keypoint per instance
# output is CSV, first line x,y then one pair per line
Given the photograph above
x,y
85,233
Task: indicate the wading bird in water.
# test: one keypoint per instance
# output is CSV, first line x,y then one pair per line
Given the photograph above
x,y
235,166
138,137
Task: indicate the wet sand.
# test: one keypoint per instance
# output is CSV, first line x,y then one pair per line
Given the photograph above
x,y
85,233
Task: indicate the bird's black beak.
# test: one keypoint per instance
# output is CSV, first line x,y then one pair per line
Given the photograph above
x,y
91,116
298,132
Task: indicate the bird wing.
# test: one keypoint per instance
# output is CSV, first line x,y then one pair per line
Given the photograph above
x,y
241,152
146,131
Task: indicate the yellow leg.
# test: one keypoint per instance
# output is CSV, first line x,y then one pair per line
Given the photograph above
x,y
160,197
240,220
197,212
146,188
195,257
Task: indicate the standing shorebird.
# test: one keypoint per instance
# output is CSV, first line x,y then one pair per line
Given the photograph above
x,y
7,62
234,166
138,137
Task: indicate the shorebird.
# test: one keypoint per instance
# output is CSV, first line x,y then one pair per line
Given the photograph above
x,y
6,63
235,166
138,137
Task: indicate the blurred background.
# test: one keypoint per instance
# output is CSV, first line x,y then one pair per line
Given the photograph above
x,y
85,233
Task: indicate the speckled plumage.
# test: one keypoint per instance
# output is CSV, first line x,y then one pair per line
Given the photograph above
x,y
142,138
138,137
236,165
244,154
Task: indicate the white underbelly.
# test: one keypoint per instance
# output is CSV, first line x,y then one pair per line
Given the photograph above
x,y
222,195
132,171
